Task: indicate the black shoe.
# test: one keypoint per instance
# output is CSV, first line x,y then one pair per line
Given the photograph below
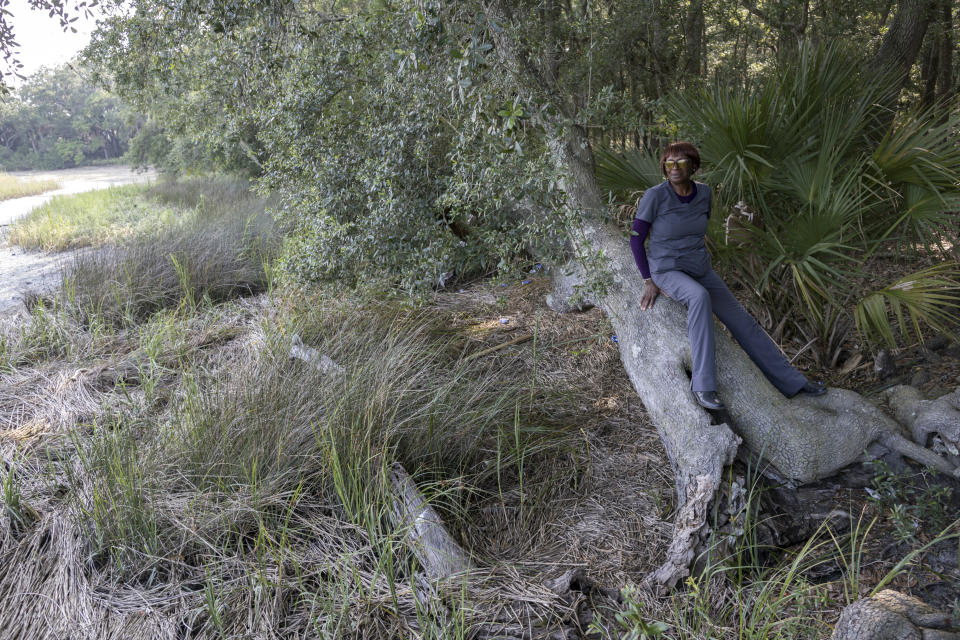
x,y
709,400
813,389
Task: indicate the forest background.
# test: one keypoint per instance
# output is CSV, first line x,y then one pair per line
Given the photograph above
x,y
57,118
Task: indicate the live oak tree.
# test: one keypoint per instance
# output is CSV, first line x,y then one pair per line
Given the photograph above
x,y
421,140
57,119
804,439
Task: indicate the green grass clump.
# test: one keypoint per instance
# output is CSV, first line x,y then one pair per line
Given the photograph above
x,y
92,218
14,187
211,249
124,285
227,477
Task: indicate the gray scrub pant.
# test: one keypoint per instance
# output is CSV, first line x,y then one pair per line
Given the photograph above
x,y
707,295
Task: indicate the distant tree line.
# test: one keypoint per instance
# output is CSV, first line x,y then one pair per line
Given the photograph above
x,y
58,119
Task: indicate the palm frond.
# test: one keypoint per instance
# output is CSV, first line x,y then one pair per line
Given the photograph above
x,y
627,173
928,297
924,215
736,135
809,253
921,149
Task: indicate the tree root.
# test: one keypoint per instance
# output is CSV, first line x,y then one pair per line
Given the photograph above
x,y
891,615
934,423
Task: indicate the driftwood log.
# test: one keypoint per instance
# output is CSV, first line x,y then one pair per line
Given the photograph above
x,y
441,558
439,554
891,615
319,361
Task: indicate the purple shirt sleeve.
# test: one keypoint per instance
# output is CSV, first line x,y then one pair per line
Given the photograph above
x,y
641,228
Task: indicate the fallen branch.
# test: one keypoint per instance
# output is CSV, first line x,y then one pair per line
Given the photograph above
x,y
321,362
439,554
488,351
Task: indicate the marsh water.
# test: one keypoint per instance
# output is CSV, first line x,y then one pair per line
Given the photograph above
x,y
24,271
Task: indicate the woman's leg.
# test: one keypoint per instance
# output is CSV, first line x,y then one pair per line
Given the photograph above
x,y
751,337
689,292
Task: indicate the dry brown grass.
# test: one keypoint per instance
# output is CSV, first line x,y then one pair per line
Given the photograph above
x,y
598,497
612,518
599,506
174,475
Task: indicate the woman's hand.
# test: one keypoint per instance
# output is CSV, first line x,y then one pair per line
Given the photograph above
x,y
650,293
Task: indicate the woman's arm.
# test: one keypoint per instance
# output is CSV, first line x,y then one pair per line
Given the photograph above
x,y
641,229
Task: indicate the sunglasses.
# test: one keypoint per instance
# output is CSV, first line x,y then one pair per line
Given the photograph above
x,y
683,164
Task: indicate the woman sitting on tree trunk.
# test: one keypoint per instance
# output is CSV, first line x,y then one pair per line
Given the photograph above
x,y
674,214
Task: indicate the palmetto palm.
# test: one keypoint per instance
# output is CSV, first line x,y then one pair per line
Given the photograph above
x,y
930,296
831,179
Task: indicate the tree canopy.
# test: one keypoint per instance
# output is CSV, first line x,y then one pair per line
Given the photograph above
x,y
409,140
57,119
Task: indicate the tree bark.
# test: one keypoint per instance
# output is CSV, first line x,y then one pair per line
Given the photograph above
x,y
902,42
929,61
693,38
945,84
934,423
891,615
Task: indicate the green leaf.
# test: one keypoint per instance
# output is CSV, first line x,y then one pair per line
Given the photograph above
x,y
928,297
625,174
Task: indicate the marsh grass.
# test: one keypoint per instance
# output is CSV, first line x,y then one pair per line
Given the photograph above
x,y
14,187
190,255
90,219
210,471
217,246
269,473
174,474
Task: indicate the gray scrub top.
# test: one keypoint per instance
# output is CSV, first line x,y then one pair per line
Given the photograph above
x,y
677,229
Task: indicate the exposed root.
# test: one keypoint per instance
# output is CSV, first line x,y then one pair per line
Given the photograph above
x,y
891,615
933,423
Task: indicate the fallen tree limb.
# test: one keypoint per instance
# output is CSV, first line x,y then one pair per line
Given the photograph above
x,y
319,361
442,558
502,345
800,440
439,554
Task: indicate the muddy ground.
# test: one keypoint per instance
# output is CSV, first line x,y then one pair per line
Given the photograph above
x,y
22,271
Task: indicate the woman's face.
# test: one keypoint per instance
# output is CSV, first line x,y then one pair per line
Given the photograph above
x,y
678,168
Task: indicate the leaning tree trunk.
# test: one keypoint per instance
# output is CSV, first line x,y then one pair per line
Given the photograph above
x,y
803,439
